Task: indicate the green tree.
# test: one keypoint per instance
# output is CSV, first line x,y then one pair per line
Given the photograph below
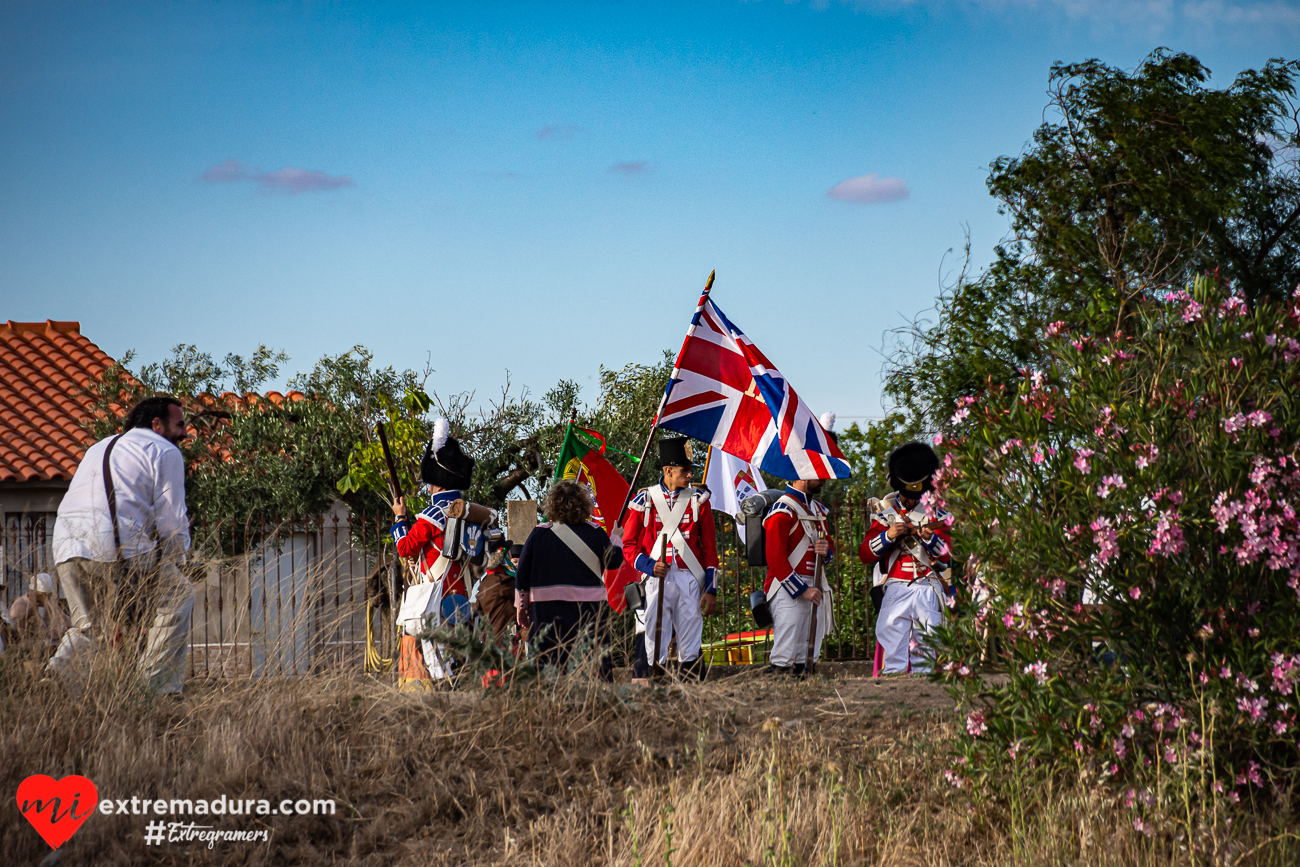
x,y
1136,183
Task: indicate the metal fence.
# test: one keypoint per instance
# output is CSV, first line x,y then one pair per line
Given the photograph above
x,y
854,634
288,597
24,552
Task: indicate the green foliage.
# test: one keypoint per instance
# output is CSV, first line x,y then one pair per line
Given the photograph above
x,y
867,451
1131,507
250,459
515,439
1134,184
1144,179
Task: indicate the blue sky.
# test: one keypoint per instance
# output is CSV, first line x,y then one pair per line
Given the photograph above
x,y
534,187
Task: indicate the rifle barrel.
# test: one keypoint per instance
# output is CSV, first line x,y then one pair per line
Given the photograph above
x,y
393,482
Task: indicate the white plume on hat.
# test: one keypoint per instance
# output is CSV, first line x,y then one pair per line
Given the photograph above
x,y
828,421
441,430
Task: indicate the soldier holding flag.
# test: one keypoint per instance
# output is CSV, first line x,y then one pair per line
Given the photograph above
x,y
668,536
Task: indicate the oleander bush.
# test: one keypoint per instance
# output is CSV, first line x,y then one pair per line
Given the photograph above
x,y
1131,505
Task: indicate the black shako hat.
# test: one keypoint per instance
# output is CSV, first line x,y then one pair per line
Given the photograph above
x,y
675,452
444,465
911,469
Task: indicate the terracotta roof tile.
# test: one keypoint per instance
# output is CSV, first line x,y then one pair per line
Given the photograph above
x,y
42,367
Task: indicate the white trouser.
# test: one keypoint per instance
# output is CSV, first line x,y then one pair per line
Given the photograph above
x,y
907,614
436,658
681,615
790,621
93,590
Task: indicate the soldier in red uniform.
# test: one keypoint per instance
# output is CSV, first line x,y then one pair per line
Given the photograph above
x,y
794,536
668,536
910,556
441,568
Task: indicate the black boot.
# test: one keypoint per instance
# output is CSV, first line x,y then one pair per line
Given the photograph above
x,y
695,669
778,669
799,669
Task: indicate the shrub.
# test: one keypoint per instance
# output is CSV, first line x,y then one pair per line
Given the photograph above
x,y
1132,509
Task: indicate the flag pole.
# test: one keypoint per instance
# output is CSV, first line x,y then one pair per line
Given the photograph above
x,y
663,401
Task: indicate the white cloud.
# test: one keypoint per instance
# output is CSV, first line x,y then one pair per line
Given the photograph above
x,y
869,190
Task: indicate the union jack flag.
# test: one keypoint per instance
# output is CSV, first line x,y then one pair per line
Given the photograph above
x,y
725,392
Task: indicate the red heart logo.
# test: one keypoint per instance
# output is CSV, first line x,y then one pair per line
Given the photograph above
x,y
56,808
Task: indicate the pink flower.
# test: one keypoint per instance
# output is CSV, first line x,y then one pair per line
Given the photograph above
x,y
1054,328
975,724
1134,592
1253,706
1038,670
1106,538
1111,483
1167,540
1081,461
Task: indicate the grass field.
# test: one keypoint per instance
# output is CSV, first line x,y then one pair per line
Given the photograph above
x,y
742,770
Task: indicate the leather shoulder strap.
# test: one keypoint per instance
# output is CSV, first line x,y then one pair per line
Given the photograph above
x,y
112,497
578,547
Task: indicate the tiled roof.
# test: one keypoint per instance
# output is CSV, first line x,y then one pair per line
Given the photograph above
x,y
43,368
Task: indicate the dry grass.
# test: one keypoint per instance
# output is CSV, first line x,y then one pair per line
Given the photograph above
x,y
740,771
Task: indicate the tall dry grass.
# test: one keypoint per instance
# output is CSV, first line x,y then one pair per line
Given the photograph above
x,y
566,772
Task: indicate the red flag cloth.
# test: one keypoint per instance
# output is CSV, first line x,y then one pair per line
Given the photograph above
x,y
725,392
584,462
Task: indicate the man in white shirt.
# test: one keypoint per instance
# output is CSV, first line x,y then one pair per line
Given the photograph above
x,y
119,575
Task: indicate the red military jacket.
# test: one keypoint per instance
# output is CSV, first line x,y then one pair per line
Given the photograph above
x,y
424,540
892,558
783,531
642,526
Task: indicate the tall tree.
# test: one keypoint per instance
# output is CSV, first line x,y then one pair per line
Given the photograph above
x,y
1137,182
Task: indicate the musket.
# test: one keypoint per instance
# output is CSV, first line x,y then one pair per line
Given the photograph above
x,y
394,484
658,605
809,664
912,534
394,578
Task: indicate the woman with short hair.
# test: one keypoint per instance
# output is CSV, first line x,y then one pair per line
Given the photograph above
x,y
559,583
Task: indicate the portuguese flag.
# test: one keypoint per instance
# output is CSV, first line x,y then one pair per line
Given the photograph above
x,y
582,458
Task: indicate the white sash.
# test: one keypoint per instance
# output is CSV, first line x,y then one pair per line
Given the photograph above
x,y
577,546
920,553
672,520
800,550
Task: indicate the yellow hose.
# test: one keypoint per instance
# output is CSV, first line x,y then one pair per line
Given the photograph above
x,y
374,662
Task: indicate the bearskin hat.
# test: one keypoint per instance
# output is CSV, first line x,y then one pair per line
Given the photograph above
x,y
911,468
444,465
